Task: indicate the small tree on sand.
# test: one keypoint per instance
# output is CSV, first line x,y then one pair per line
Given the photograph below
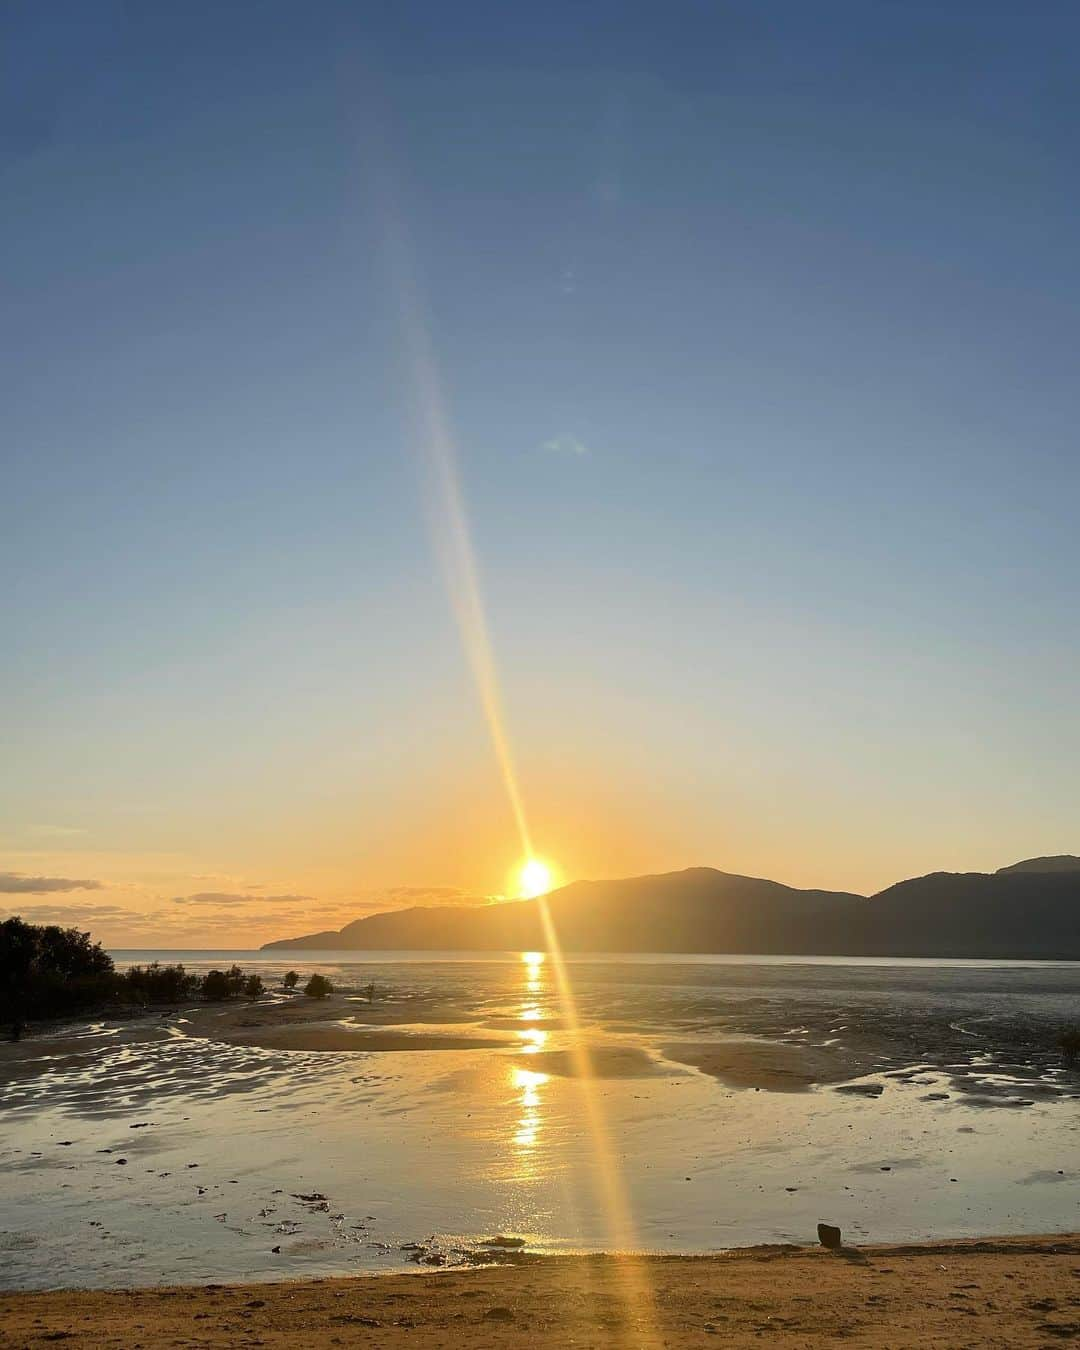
x,y
318,987
253,986
219,985
1069,1044
291,980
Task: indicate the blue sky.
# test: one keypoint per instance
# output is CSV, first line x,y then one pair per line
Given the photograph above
x,y
756,327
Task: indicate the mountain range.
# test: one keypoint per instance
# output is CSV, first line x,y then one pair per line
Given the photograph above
x,y
1030,909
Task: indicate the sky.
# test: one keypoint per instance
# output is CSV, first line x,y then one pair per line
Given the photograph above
x,y
743,336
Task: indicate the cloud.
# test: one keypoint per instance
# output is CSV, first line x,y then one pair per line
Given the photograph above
x,y
16,883
204,924
405,897
230,899
414,893
565,445
240,917
74,915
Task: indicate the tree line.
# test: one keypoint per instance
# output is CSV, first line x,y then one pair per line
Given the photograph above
x,y
49,971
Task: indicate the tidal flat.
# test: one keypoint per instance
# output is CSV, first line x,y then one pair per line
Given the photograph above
x,y
663,1105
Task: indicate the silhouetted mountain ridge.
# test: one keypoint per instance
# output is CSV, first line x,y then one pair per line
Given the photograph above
x,y
1019,912
1058,862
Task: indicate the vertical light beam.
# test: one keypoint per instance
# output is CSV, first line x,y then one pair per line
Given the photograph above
x,y
449,521
450,529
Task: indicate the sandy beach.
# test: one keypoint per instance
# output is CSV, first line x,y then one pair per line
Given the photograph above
x,y
1008,1292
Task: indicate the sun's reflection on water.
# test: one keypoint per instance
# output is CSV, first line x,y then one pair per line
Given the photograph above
x,y
534,970
529,1122
527,1082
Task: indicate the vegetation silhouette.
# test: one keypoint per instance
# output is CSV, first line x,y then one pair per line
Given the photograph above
x,y
219,985
1069,1044
47,971
291,979
318,987
156,983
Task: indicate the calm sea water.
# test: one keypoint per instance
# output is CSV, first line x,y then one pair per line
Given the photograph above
x,y
974,1129
203,956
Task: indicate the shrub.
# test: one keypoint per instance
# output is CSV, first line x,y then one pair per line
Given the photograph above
x,y
1069,1044
215,986
49,971
291,980
219,985
156,983
70,953
318,987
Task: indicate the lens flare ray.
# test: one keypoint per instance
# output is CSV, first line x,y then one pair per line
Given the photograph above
x,y
453,541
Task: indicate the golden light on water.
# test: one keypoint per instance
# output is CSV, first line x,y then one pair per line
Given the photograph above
x,y
533,1039
534,971
528,1082
529,1124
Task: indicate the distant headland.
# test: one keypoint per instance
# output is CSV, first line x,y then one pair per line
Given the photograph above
x,y
1028,910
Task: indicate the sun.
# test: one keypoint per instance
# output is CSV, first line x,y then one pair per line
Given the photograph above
x,y
534,878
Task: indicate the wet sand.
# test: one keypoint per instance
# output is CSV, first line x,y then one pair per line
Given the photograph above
x,y
349,1024
769,1065
1007,1292
742,1105
752,1045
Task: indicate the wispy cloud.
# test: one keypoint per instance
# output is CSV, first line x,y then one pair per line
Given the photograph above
x,y
409,897
565,445
229,899
415,894
218,918
17,883
75,915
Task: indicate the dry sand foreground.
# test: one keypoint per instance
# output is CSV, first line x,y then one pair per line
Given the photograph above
x,y
1007,1292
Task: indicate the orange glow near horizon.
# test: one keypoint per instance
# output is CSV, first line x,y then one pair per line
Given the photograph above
x,y
534,878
